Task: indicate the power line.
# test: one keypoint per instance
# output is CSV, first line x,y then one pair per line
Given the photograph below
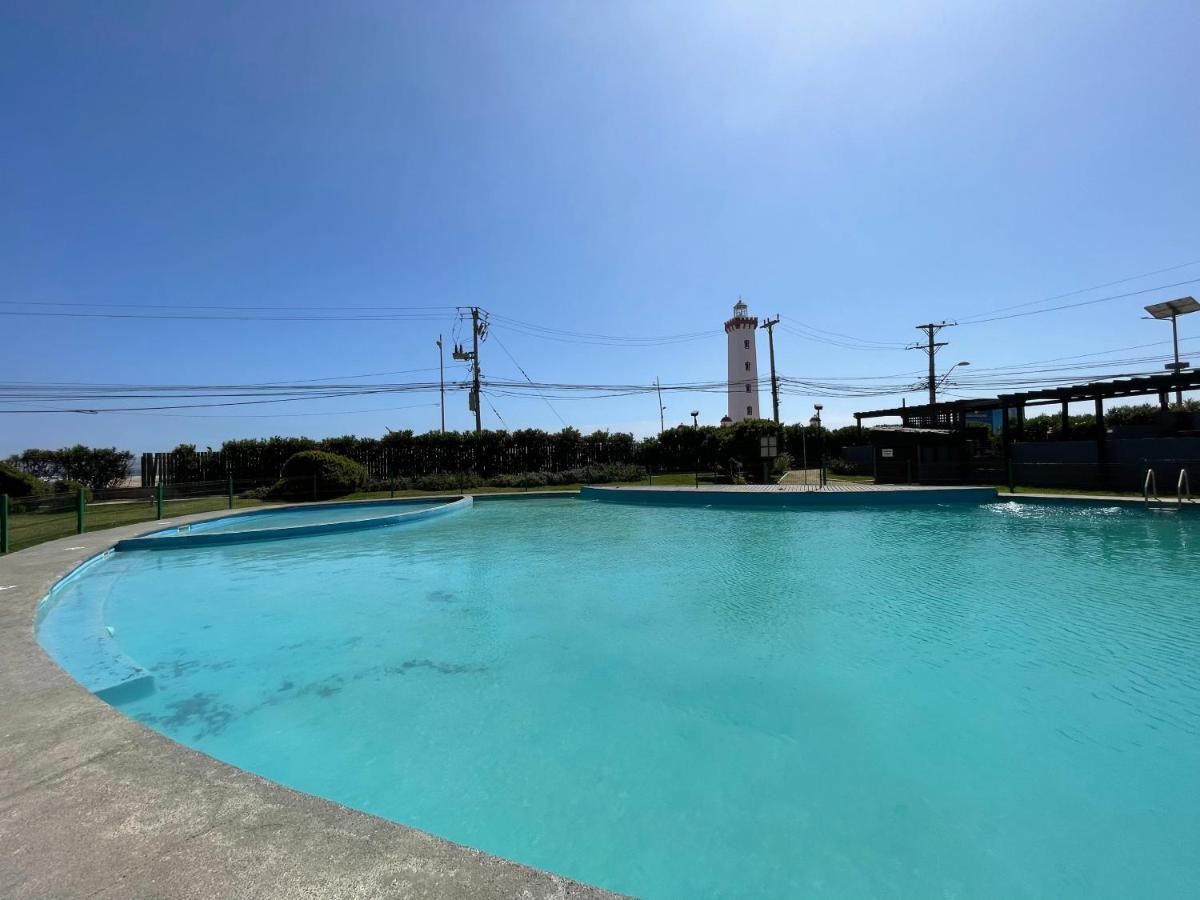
x,y
1086,290
1038,312
500,343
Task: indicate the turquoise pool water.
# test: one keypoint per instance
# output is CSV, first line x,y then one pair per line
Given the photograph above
x,y
997,701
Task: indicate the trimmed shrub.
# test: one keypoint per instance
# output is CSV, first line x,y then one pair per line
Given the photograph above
x,y
72,488
447,481
16,483
315,474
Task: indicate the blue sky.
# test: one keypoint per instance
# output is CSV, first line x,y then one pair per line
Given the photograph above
x,y
624,169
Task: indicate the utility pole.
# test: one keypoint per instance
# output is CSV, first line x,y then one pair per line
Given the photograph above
x,y
442,381
661,408
478,330
474,349
931,347
475,358
770,324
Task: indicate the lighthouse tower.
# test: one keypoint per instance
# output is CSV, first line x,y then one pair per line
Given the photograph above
x,y
743,364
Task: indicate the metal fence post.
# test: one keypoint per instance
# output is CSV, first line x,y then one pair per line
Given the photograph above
x,y
1012,484
80,511
316,494
3,523
231,492
158,501
650,473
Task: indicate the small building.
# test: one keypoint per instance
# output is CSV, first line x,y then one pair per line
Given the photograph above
x,y
919,455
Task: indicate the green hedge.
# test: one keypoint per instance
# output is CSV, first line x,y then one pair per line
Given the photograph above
x,y
317,475
16,483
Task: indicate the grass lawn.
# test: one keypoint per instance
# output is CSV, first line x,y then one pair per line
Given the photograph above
x,y
29,528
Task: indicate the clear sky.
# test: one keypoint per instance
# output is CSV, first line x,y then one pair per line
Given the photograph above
x,y
627,169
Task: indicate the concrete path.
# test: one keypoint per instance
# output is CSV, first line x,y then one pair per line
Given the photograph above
x,y
92,804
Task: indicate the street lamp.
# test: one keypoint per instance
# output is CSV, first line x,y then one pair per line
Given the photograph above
x,y
1172,310
816,420
695,418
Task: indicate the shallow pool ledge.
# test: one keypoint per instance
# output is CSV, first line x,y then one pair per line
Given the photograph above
x,y
803,496
176,537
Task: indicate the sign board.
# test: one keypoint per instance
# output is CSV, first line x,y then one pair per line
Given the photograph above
x,y
767,446
888,453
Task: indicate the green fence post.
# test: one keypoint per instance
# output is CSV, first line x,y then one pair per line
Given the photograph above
x,y
158,501
231,492
1012,485
650,473
316,494
393,485
80,511
3,523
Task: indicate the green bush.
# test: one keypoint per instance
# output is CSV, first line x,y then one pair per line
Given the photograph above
x,y
783,462
16,483
317,475
447,481
842,466
72,488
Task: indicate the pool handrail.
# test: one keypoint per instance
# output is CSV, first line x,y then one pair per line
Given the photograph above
x,y
1183,485
1150,483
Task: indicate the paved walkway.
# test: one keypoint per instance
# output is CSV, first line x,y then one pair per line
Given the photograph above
x,y
92,804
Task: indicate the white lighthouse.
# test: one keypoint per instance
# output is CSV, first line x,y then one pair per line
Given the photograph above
x,y
743,364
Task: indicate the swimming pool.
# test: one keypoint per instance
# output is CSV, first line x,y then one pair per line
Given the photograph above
x,y
981,701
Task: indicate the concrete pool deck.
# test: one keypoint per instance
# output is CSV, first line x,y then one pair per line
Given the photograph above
x,y
93,804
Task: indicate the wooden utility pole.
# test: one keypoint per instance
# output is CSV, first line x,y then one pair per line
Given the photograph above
x,y
478,329
931,347
442,381
475,359
770,324
661,408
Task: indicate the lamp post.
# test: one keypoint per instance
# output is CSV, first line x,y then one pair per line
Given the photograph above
x,y
695,418
942,383
1172,310
816,420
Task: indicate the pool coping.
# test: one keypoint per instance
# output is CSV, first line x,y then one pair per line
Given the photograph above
x,y
93,803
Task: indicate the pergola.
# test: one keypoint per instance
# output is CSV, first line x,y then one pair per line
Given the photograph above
x,y
953,414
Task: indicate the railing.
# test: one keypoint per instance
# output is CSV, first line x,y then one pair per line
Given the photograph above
x,y
1183,486
1151,483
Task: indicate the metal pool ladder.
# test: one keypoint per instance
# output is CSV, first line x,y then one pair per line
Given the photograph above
x,y
1150,486
1182,487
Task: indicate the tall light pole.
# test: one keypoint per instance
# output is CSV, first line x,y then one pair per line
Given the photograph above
x,y
442,381
820,443
695,419
1172,310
